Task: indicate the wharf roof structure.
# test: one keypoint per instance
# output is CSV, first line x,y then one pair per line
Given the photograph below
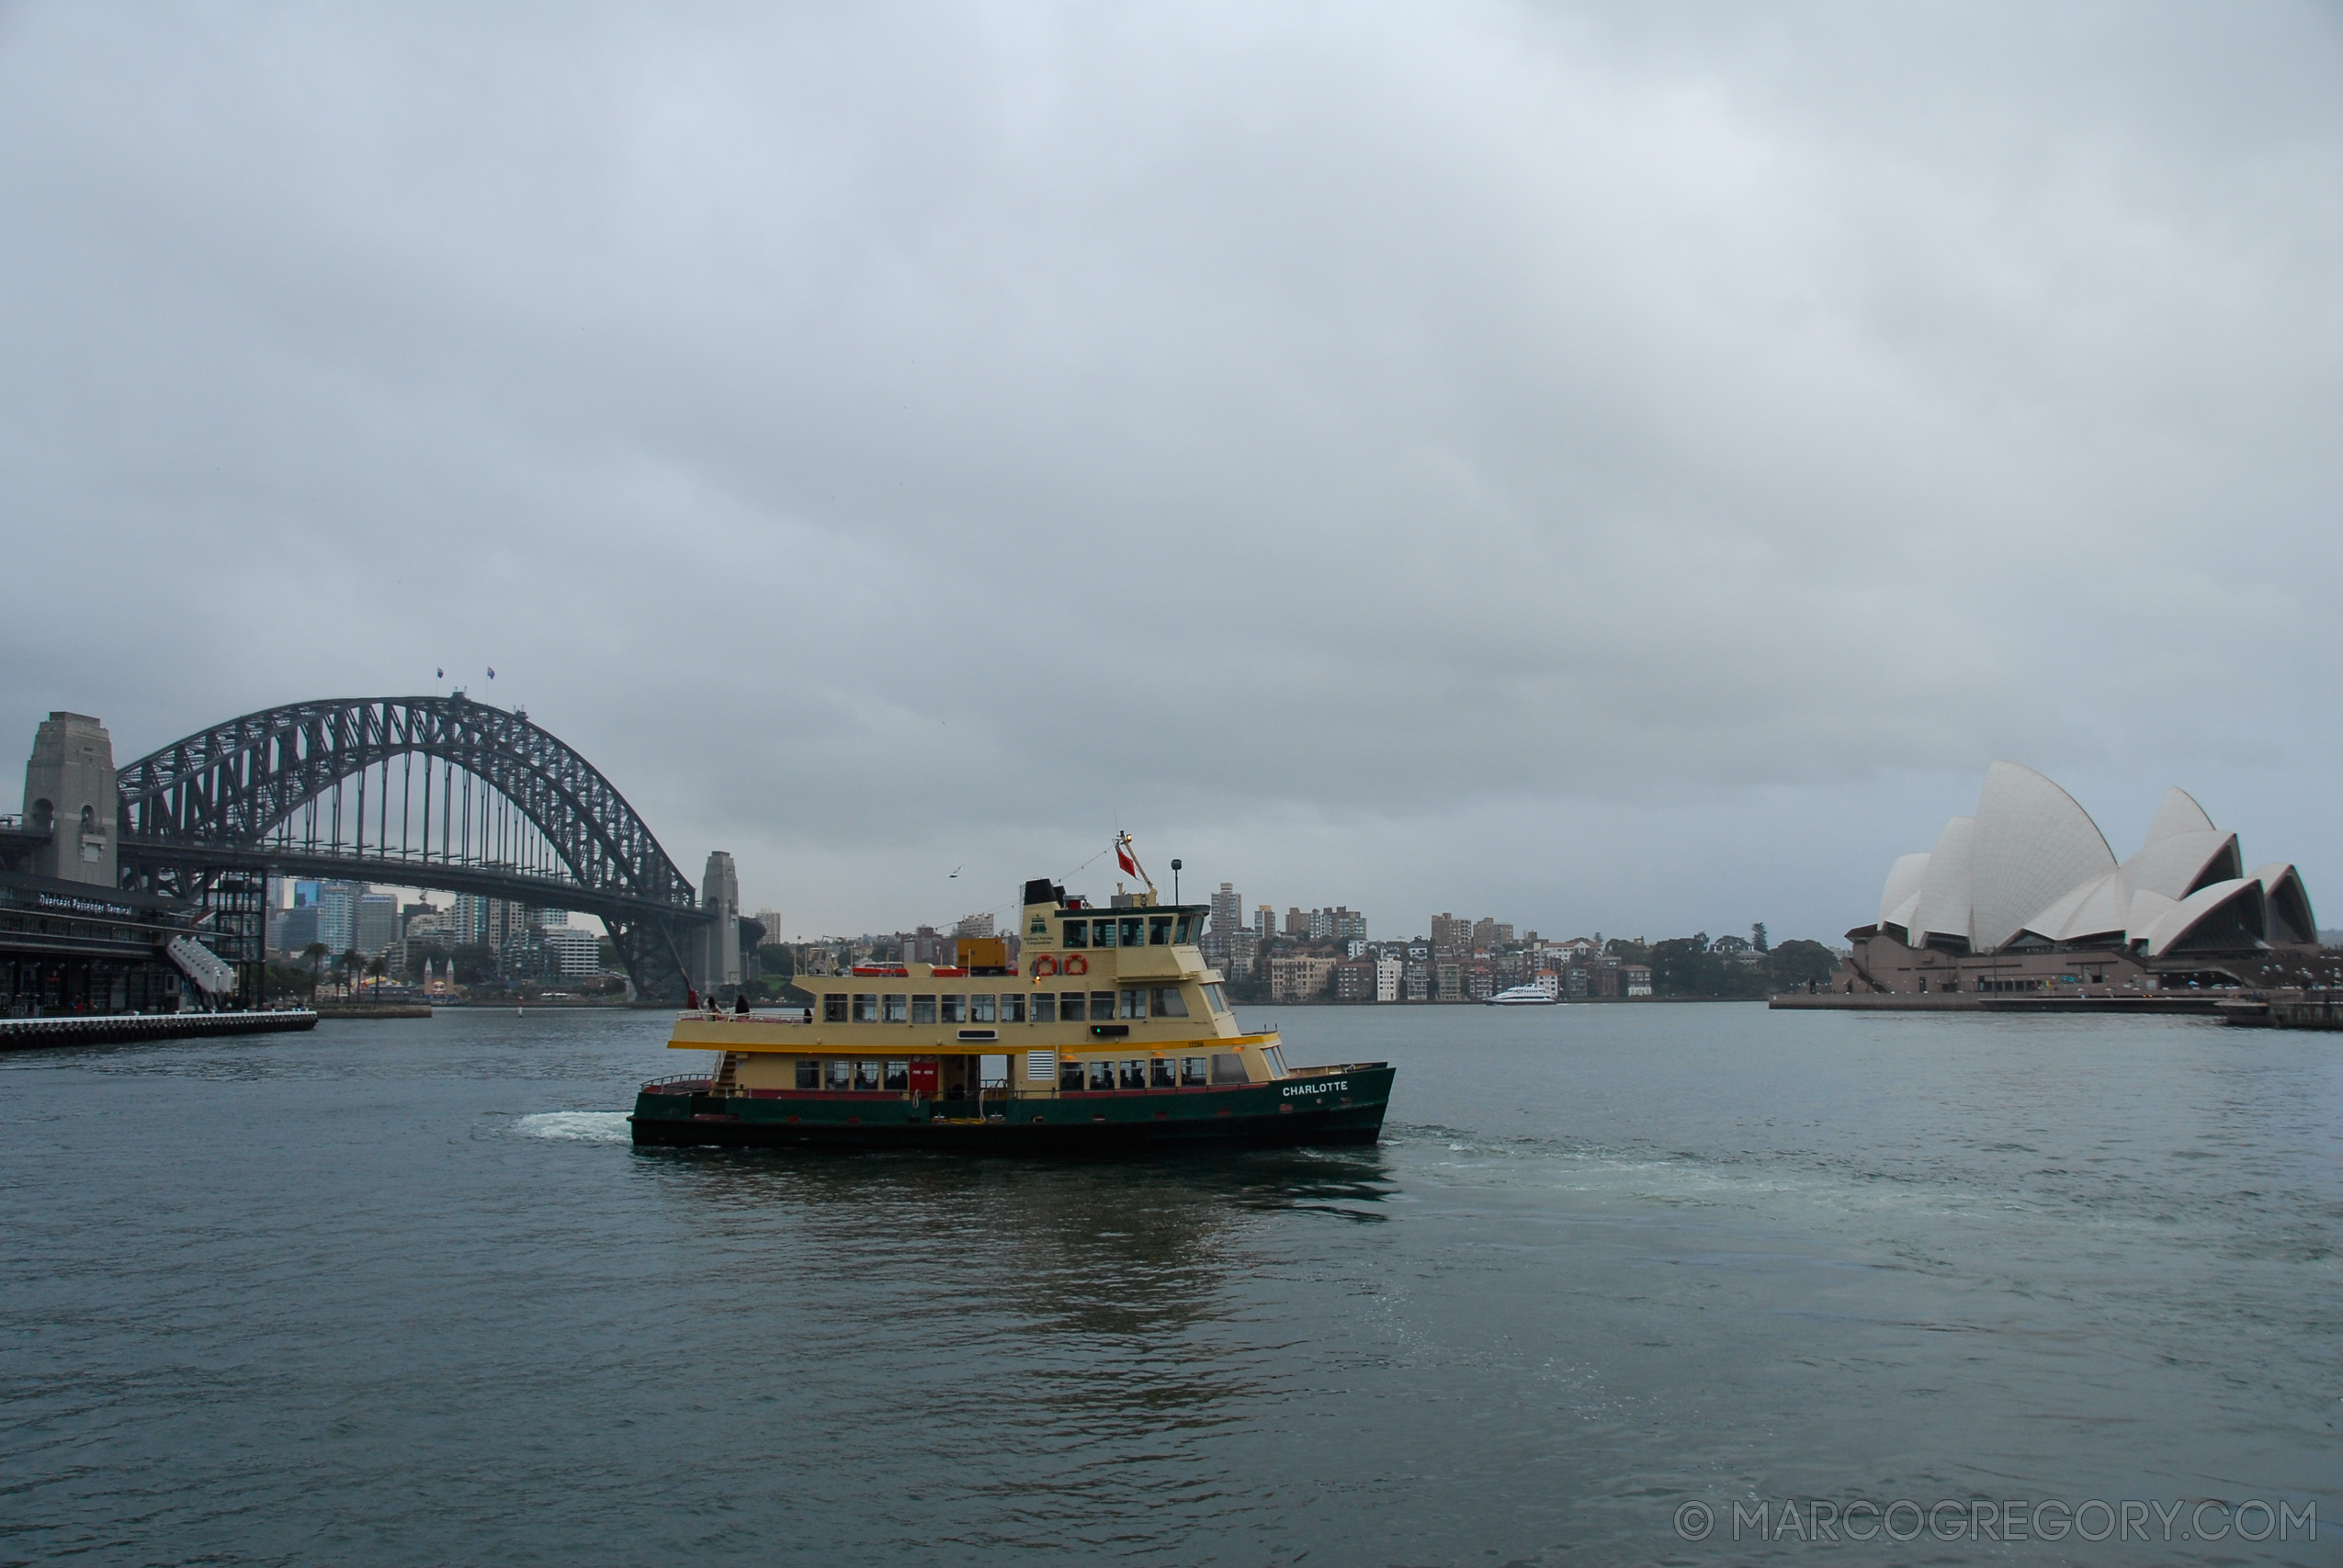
x,y
2032,870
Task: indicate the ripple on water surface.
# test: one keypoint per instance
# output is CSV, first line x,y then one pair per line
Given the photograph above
x,y
405,1292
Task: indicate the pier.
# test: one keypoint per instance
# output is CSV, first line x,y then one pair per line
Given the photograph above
x,y
117,1029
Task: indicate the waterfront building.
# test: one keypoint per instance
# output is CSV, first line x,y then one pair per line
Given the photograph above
x,y
1450,974
1635,979
1354,981
1388,974
573,952
1416,983
1299,978
2026,895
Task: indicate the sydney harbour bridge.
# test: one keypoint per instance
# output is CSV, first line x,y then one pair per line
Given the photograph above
x,y
430,792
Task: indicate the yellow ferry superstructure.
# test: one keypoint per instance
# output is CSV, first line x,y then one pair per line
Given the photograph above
x,y
1109,1027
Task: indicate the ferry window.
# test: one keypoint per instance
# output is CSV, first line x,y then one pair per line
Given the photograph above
x,y
842,1075
923,1009
866,1075
1012,1009
1192,1072
1069,1076
1166,1002
954,1010
1044,1006
899,1075
1102,1074
1102,1004
1217,997
1077,934
1101,933
833,1010
1159,931
981,1009
1158,1073
1276,1060
1135,1074
1134,1005
1228,1066
808,1073
1134,930
1069,1007
865,1007
1180,933
894,1008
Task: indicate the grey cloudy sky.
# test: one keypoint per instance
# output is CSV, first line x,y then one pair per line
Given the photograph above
x,y
1610,467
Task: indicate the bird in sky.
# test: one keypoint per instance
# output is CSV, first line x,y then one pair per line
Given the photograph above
x,y
955,871
440,673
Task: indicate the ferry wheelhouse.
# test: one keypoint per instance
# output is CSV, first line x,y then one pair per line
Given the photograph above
x,y
1110,1034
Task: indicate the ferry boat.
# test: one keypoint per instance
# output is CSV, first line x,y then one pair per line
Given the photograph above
x,y
1111,1035
1544,991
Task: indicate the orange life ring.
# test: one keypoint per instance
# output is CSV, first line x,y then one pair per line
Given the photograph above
x,y
1077,965
1044,965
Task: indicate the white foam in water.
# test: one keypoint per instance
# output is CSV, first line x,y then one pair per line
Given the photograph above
x,y
576,1126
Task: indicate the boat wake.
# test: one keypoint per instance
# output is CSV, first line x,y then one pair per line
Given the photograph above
x,y
576,1126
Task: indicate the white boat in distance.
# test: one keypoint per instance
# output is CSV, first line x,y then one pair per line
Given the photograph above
x,y
1544,991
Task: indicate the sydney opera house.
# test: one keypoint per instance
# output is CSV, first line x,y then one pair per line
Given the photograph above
x,y
2026,897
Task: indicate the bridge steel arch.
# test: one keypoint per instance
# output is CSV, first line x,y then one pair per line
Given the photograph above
x,y
202,809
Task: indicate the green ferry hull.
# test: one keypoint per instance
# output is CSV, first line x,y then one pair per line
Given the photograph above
x,y
1342,1108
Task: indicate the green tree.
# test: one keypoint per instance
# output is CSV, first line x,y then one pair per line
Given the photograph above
x,y
474,963
316,953
1796,962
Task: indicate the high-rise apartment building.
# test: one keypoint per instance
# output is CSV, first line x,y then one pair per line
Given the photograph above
x,y
1265,922
1297,922
1321,925
1485,933
1228,911
337,915
573,952
376,925
1450,934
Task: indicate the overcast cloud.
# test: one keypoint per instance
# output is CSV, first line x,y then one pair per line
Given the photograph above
x,y
1620,468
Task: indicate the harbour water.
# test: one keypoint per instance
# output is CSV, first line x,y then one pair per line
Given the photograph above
x,y
1619,1280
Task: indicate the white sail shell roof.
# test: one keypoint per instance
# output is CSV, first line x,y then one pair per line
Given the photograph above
x,y
2288,902
1897,899
2180,863
1942,909
2032,861
2033,844
2179,813
2185,916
